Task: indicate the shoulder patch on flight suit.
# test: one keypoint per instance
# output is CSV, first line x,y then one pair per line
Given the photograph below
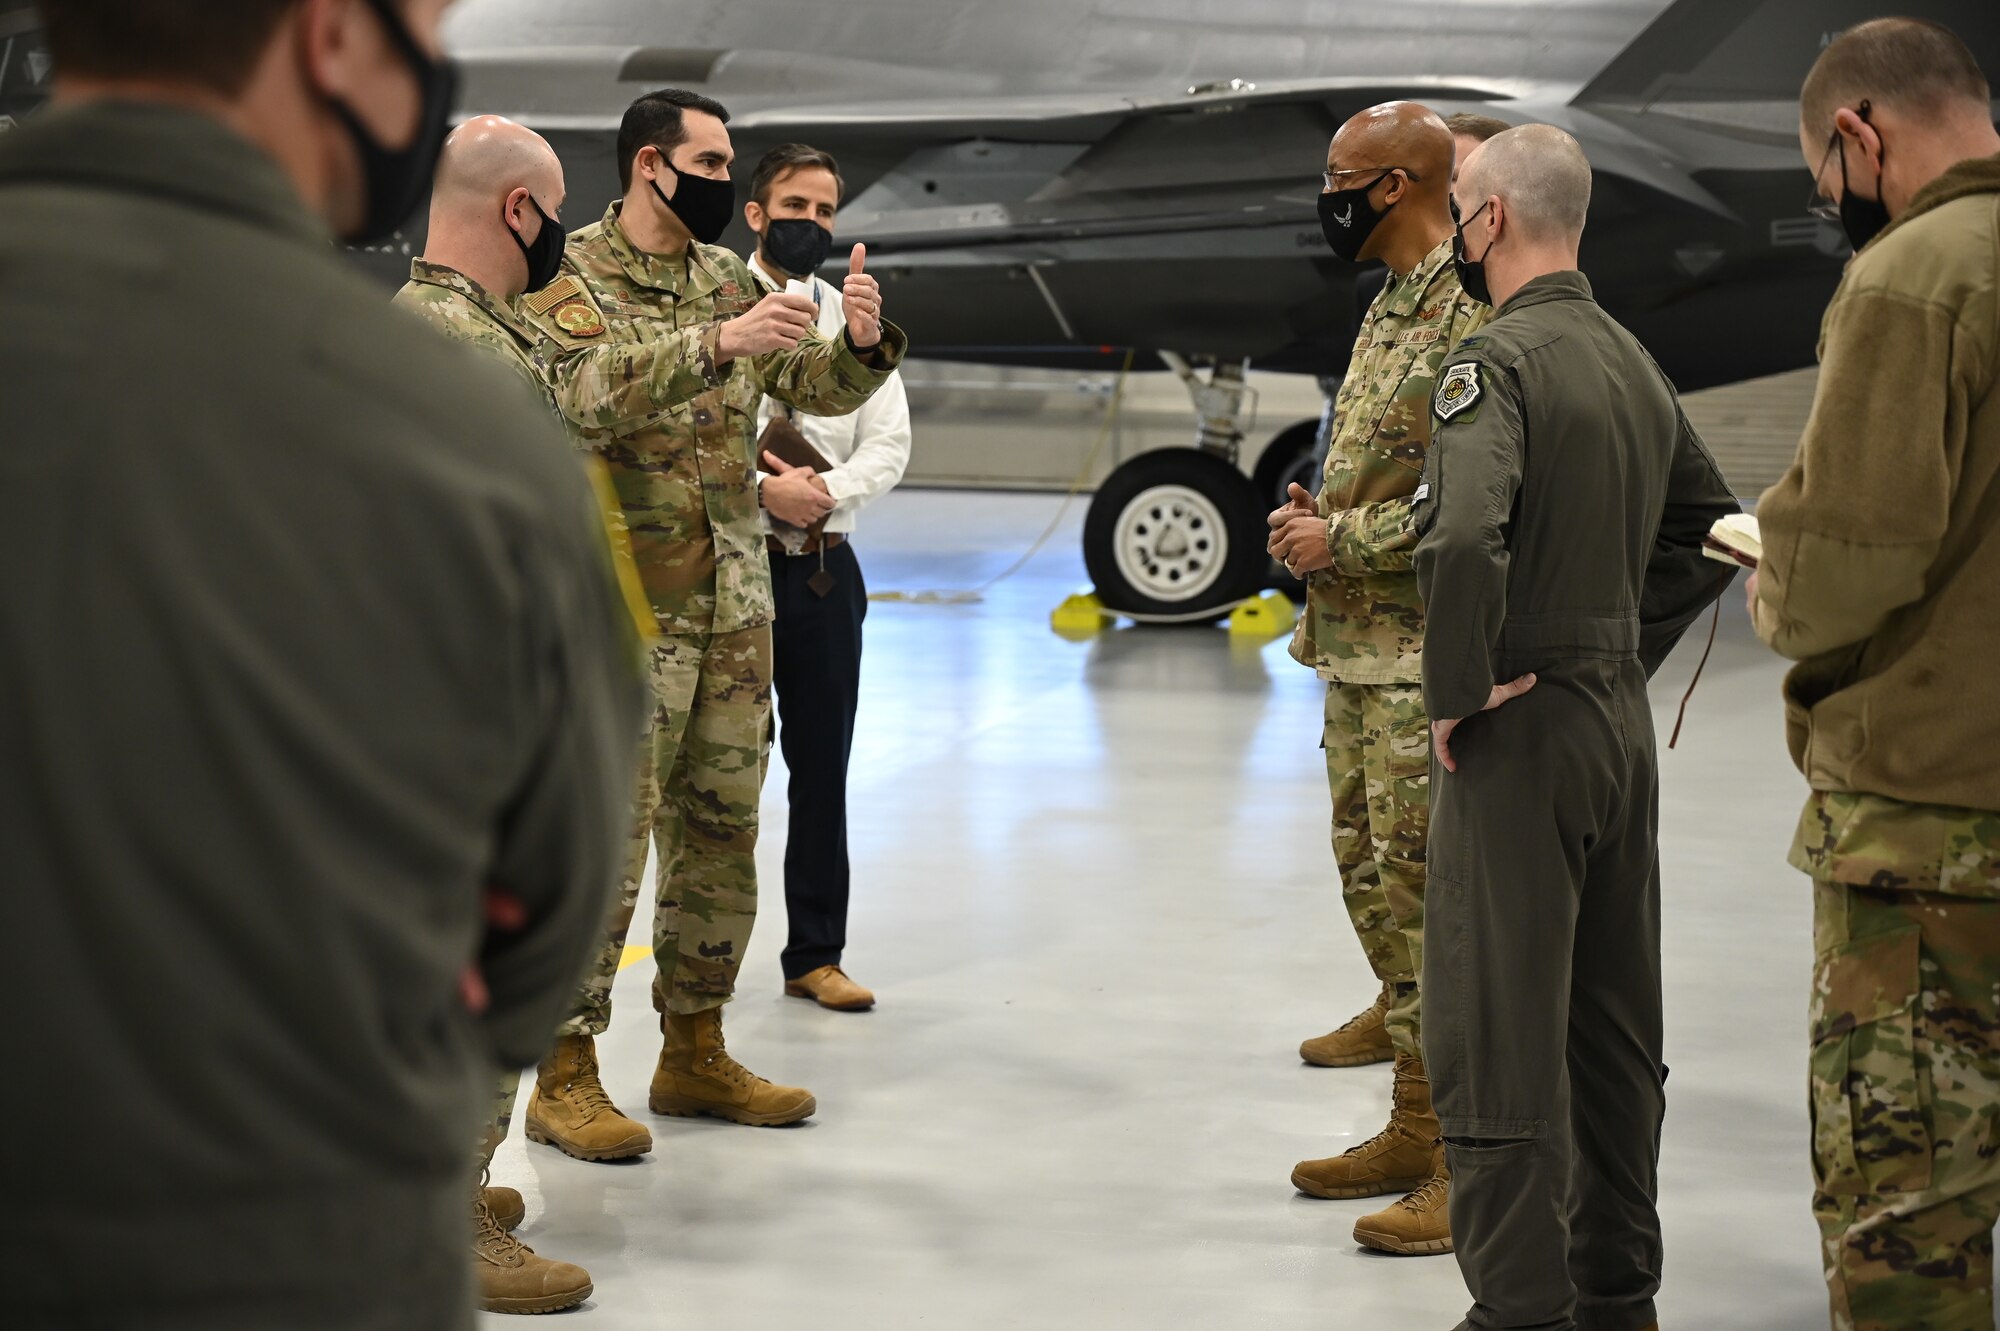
x,y
1458,390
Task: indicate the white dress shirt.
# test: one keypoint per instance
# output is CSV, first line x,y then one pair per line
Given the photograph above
x,y
870,448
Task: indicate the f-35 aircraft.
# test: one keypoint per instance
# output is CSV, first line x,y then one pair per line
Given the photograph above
x,y
1061,182
1054,182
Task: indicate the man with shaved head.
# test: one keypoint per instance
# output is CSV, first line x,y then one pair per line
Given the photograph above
x,y
1881,555
494,209
1556,577
1387,176
495,234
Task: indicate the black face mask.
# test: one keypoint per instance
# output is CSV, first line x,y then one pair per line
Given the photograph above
x,y
396,181
1348,219
1471,272
545,256
796,246
1862,219
703,205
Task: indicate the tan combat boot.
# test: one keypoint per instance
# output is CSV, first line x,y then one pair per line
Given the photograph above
x,y
1396,1159
509,1208
1417,1225
569,1110
697,1076
512,1279
1361,1041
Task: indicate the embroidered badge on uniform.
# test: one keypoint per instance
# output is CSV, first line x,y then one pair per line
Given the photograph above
x,y
1457,390
578,319
566,287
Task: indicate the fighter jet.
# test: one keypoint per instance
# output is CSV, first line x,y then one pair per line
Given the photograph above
x,y
1054,183
1065,182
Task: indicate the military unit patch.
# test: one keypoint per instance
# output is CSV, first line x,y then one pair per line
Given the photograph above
x,y
579,318
1457,390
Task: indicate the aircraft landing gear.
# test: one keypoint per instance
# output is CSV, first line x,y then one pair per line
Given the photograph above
x,y
1179,532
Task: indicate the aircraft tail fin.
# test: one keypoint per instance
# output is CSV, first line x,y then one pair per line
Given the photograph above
x,y
1759,51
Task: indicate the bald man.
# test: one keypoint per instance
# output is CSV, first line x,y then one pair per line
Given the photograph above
x,y
1555,581
494,235
1387,177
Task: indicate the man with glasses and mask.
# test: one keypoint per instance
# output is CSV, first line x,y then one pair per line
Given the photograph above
x,y
1387,177
326,721
683,463
1880,563
816,579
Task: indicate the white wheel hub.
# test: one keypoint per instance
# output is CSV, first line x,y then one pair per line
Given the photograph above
x,y
1171,543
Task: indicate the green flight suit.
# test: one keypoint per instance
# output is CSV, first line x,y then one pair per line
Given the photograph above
x,y
1563,512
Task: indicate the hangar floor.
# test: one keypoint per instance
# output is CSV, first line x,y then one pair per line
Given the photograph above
x,y
1094,891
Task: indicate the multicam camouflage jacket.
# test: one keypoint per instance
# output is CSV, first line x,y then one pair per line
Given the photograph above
x,y
1364,622
466,312
637,374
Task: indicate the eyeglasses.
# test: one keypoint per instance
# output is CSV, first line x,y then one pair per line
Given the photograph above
x,y
1333,178
1817,204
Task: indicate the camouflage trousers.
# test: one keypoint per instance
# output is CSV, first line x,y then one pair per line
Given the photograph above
x,y
505,1088
1378,765
1906,1105
700,779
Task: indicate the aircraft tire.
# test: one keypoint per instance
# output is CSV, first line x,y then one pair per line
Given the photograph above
x,y
1287,458
1176,532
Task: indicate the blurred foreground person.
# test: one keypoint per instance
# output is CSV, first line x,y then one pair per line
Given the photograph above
x,y
495,233
1388,173
1880,567
1563,510
321,710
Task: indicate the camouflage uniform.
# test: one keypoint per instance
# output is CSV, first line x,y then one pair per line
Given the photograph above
x,y
466,312
1362,630
681,450
1905,1058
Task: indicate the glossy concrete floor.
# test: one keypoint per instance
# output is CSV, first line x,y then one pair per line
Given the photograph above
x,y
1094,890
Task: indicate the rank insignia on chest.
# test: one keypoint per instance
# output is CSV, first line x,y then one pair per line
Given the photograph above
x,y
1457,390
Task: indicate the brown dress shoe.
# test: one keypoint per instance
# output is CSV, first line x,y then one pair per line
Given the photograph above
x,y
1394,1160
507,1205
697,1077
512,1278
1418,1225
569,1110
830,988
1362,1041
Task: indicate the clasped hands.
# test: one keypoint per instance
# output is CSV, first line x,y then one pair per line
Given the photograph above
x,y
1298,534
795,495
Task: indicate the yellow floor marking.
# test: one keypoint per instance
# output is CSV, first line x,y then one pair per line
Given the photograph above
x,y
634,952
